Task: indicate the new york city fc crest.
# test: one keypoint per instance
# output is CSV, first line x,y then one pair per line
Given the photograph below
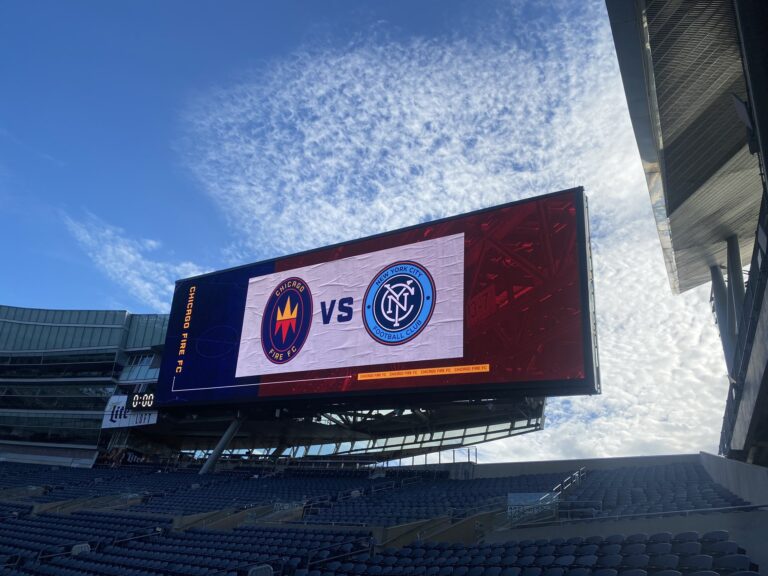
x,y
398,303
286,320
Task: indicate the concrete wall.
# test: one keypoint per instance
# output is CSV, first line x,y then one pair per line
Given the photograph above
x,y
564,466
468,530
465,470
745,480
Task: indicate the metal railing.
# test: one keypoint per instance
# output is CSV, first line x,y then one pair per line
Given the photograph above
x,y
459,513
278,563
601,517
571,481
96,545
312,508
546,508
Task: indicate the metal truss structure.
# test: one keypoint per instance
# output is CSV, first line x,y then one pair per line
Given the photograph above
x,y
372,435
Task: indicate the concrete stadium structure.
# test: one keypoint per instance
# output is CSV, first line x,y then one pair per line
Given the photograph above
x,y
58,370
697,86
654,516
696,79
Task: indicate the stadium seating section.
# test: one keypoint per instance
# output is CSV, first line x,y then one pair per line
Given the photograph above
x,y
121,522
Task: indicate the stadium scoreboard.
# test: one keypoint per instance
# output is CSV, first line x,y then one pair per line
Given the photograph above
x,y
497,301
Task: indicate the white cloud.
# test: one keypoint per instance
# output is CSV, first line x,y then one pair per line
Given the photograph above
x,y
334,144
126,261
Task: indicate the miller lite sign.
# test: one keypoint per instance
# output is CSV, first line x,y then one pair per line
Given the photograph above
x,y
118,415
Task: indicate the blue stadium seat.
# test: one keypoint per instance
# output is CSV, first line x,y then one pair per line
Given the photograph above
x,y
723,548
544,561
658,548
565,560
586,561
669,572
715,536
600,572
587,549
610,561
524,561
636,561
663,562
732,563
695,563
632,549
686,537
609,549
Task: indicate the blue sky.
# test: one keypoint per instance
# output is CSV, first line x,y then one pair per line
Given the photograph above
x,y
141,142
92,119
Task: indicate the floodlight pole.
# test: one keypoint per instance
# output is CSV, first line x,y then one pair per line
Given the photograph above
x,y
210,463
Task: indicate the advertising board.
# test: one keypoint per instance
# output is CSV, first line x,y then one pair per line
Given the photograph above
x,y
118,414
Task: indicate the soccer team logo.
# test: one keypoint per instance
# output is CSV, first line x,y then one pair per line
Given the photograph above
x,y
399,303
286,320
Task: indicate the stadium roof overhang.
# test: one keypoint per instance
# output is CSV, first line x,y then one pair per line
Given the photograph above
x,y
682,72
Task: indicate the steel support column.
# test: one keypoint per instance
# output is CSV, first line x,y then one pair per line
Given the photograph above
x,y
210,463
735,282
720,293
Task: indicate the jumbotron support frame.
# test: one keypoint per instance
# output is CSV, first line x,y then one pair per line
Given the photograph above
x,y
373,435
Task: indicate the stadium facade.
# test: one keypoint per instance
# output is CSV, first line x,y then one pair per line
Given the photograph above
x,y
695,75
58,370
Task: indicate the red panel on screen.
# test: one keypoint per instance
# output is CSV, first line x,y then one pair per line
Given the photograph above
x,y
523,301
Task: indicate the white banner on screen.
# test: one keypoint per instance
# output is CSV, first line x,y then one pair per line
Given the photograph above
x,y
118,415
336,341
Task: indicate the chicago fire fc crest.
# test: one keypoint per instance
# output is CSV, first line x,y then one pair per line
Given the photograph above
x,y
399,303
286,320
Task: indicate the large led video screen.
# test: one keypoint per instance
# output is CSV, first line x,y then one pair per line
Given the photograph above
x,y
495,302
